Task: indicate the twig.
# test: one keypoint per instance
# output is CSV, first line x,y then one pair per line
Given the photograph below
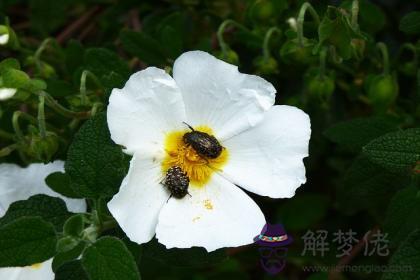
x,y
67,33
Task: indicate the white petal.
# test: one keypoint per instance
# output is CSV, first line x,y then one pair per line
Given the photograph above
x,y
268,159
6,93
149,105
17,183
41,271
136,206
217,215
217,95
4,39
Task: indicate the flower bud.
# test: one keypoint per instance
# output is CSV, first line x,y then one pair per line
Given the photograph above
x,y
321,87
230,56
43,149
293,52
382,90
266,66
6,93
8,37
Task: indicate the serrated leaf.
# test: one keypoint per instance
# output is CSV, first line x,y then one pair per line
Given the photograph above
x,y
403,215
109,259
194,257
405,260
356,133
60,183
143,46
50,209
410,23
396,151
94,163
26,241
71,271
103,61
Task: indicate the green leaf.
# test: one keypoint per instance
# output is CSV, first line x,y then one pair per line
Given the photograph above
x,y
9,63
13,78
71,271
107,259
102,61
67,243
410,23
308,216
50,209
94,163
356,133
64,257
171,41
26,241
367,186
143,46
74,54
403,215
336,31
74,225
60,183
194,257
396,151
405,260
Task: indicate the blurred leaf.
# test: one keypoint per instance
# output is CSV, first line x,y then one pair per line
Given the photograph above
x,y
74,54
367,186
50,209
26,241
405,260
60,183
103,61
94,163
396,151
171,42
13,78
356,133
143,46
9,63
59,88
196,256
308,216
403,215
71,271
371,16
47,15
108,258
410,23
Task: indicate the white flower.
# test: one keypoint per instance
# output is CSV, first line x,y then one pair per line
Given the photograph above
x,y
263,150
4,39
41,271
6,93
17,183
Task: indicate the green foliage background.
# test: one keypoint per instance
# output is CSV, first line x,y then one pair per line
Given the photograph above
x,y
353,68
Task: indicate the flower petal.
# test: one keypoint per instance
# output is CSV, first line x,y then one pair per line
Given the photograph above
x,y
6,93
216,94
42,271
17,183
136,206
149,105
268,159
215,216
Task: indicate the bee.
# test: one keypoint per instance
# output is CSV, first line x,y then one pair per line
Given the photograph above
x,y
206,146
177,182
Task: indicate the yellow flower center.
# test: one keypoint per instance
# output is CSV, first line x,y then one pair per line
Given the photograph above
x,y
198,168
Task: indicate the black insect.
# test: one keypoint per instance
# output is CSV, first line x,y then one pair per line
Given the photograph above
x,y
204,144
177,182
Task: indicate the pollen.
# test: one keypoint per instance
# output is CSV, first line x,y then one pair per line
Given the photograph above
x,y
178,153
36,266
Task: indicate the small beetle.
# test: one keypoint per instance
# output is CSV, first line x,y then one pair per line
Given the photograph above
x,y
177,182
204,144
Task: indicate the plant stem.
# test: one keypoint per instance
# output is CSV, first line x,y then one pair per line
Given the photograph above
x,y
7,150
37,55
385,57
322,61
85,74
223,46
16,126
41,117
301,18
6,135
266,43
412,48
355,14
51,102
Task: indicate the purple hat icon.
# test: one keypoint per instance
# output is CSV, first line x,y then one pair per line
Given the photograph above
x,y
273,236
